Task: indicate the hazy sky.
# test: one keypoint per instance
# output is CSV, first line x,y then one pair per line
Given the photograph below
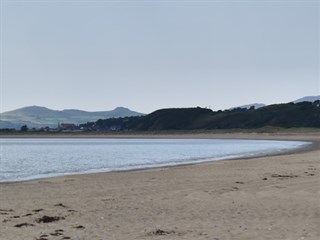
x,y
146,55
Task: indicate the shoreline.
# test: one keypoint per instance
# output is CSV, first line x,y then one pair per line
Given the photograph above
x,y
267,197
310,145
250,133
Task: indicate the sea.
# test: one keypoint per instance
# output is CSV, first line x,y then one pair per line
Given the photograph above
x,y
23,159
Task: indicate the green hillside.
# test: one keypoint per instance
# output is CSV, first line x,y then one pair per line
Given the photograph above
x,y
290,115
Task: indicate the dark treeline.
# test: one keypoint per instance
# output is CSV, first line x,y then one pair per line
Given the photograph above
x,y
305,114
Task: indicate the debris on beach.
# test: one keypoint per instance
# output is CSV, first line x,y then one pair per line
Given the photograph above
x,y
38,210
79,227
284,176
159,232
24,225
60,205
48,219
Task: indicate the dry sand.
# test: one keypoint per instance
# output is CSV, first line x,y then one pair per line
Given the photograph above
x,y
275,197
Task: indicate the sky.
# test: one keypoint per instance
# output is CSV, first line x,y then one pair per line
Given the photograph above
x,y
146,55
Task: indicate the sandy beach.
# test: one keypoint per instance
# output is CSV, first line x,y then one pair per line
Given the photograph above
x,y
271,197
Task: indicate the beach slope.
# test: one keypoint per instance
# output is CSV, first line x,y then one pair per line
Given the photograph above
x,y
272,197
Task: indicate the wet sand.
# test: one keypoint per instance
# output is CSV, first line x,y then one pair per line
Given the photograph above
x,y
271,197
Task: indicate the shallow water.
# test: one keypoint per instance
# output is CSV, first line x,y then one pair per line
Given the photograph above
x,y
25,159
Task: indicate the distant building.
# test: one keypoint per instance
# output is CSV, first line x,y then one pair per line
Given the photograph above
x,y
67,126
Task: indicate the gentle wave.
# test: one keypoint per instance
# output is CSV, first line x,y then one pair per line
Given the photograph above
x,y
28,159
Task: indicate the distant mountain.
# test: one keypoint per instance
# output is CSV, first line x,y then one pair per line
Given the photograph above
x,y
260,105
307,99
35,116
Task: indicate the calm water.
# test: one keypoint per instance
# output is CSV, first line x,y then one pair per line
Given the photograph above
x,y
25,159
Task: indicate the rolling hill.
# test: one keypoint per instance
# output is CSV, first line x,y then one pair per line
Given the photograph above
x,y
259,105
289,115
303,112
35,116
307,99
